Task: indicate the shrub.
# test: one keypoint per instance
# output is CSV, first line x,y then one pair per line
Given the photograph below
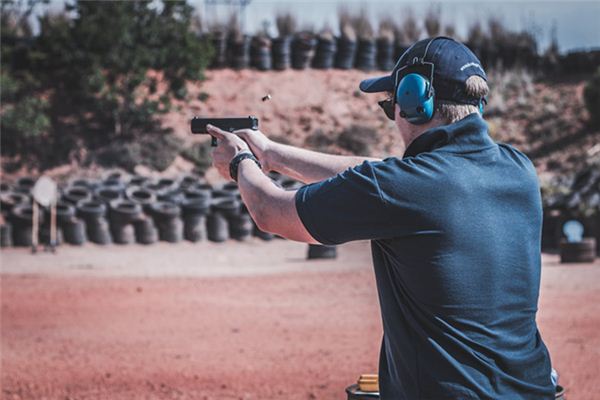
x,y
200,155
591,95
358,139
156,151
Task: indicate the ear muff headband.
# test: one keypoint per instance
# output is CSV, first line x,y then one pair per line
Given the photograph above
x,y
414,92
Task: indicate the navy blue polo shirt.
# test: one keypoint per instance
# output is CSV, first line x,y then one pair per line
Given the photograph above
x,y
455,237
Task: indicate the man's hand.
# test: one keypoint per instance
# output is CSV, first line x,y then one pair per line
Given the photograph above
x,y
260,145
229,146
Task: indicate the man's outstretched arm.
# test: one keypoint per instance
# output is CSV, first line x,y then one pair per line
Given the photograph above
x,y
304,165
272,208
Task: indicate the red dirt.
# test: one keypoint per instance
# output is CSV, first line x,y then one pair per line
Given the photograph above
x,y
254,322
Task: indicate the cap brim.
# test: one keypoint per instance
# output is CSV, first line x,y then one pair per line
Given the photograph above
x,y
379,84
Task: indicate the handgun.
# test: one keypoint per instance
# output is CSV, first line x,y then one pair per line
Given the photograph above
x,y
226,124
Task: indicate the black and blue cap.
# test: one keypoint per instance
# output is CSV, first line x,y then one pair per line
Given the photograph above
x,y
446,62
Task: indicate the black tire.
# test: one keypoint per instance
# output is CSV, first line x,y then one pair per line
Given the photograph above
x,y
107,194
165,211
241,226
188,181
145,231
195,203
91,184
75,194
317,251
216,227
194,228
25,184
74,232
45,235
578,252
166,217
122,233
227,206
290,184
10,199
173,196
232,189
124,212
266,236
91,209
21,215
138,180
171,231
5,187
21,235
139,195
6,239
65,212
98,231
168,184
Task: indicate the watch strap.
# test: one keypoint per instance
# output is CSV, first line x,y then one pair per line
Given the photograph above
x,y
235,163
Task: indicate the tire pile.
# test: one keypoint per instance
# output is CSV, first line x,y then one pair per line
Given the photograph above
x,y
123,209
577,199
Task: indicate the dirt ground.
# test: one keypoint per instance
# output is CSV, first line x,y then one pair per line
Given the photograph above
x,y
235,321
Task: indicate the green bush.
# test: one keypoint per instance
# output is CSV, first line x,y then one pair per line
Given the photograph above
x,y
358,139
155,151
591,95
200,155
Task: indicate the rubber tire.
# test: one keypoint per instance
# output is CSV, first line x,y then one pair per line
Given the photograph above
x,y
75,194
125,211
145,231
216,227
122,233
21,236
65,212
74,232
91,209
240,226
194,227
140,195
578,252
11,199
318,251
98,231
6,239
266,236
170,230
21,216
107,194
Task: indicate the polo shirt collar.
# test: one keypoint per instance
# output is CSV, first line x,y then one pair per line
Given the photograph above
x,y
467,135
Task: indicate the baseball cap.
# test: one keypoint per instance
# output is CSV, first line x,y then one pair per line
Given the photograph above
x,y
453,63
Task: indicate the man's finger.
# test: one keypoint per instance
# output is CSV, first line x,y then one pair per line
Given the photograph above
x,y
243,133
215,132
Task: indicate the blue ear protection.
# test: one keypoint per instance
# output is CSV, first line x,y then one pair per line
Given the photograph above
x,y
414,92
415,98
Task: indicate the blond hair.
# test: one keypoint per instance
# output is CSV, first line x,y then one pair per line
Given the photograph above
x,y
453,112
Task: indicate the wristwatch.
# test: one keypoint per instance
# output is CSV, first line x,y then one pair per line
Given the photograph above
x,y
235,163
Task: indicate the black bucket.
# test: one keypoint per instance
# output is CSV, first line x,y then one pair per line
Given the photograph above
x,y
303,50
325,54
260,53
239,52
346,52
366,55
219,42
317,251
385,54
282,52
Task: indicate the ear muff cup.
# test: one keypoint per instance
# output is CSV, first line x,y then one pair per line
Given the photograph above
x,y
415,98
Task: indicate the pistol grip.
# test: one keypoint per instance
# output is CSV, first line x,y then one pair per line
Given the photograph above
x,y
213,141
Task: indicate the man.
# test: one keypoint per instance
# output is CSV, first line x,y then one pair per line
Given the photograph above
x,y
454,226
